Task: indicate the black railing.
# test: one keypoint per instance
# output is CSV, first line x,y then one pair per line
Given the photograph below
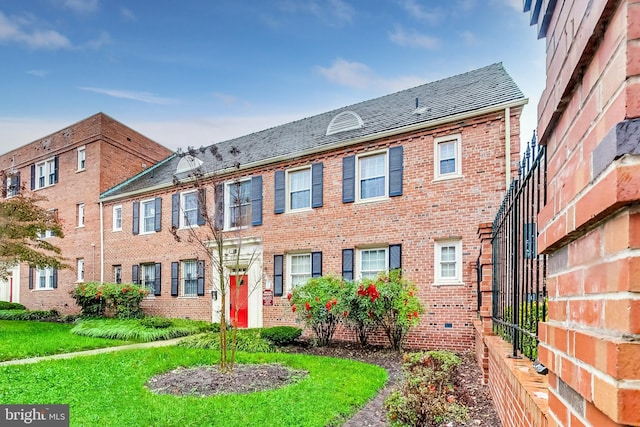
x,y
519,272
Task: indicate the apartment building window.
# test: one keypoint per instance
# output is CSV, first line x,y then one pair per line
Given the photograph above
x,y
189,205
189,278
45,234
239,204
372,262
80,269
447,153
45,278
448,261
82,156
117,218
299,269
148,277
372,176
147,216
298,189
44,174
80,214
12,184
117,273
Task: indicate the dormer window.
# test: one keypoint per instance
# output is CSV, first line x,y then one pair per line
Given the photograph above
x,y
347,120
188,163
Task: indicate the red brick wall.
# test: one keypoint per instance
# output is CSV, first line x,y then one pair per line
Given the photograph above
x,y
426,211
73,187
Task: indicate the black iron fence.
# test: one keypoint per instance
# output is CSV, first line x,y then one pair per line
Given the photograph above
x,y
519,272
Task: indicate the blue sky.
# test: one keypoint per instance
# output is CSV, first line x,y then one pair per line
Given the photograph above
x,y
190,73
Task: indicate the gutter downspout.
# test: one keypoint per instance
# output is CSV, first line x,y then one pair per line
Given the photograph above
x,y
101,243
507,146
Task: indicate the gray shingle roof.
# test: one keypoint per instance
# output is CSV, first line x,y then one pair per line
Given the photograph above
x,y
474,90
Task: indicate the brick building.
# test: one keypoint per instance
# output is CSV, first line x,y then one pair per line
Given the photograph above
x,y
70,168
398,181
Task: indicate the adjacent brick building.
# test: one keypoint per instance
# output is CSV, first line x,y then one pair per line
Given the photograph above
x,y
398,181
70,168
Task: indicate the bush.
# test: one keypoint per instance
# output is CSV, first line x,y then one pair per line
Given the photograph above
x,y
315,304
133,329
5,305
391,302
123,298
248,340
425,396
156,322
48,315
357,313
281,335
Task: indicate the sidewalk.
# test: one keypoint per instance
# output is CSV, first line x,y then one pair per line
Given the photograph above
x,y
92,352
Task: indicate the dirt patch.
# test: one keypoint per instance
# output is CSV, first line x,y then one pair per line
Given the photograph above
x,y
208,380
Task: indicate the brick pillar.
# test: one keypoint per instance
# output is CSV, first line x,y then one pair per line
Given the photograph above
x,y
590,225
486,265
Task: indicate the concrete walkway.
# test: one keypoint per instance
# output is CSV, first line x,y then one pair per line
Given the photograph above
x,y
163,343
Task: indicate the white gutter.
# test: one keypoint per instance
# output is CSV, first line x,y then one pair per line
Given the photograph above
x,y
101,243
329,147
507,146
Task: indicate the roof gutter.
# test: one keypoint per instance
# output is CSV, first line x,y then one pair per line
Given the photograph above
x,y
418,126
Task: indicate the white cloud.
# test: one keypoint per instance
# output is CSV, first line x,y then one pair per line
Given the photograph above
x,y
332,11
103,39
12,31
467,5
81,6
417,11
470,38
413,39
38,73
128,15
360,76
133,95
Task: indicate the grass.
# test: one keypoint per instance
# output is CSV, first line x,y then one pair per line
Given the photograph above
x,y
135,330
20,339
108,390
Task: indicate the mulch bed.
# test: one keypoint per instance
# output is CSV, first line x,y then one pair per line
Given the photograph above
x,y
205,381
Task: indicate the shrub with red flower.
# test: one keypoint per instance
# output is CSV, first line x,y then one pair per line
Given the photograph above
x,y
123,299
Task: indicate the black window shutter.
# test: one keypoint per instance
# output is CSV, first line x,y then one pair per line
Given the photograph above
x,y
136,217
349,179
279,196
33,177
395,171
157,282
201,278
347,264
174,278
395,257
157,220
202,206
55,169
219,213
135,274
175,210
316,264
316,185
256,200
30,277
277,275
55,279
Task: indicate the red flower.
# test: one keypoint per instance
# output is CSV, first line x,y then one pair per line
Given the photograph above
x,y
361,291
334,302
328,305
346,313
415,314
370,313
124,290
289,296
410,293
293,308
317,299
307,306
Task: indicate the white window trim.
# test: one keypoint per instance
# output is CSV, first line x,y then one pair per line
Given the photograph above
x,y
183,223
457,138
359,198
80,265
115,226
288,189
358,260
81,214
45,164
182,279
11,192
289,283
82,150
438,279
141,216
227,205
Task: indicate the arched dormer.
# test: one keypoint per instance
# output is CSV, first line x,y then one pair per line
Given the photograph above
x,y
347,120
188,163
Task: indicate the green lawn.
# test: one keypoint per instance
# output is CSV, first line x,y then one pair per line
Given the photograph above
x,y
108,390
23,338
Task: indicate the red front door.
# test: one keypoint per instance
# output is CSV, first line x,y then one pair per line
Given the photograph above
x,y
239,300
